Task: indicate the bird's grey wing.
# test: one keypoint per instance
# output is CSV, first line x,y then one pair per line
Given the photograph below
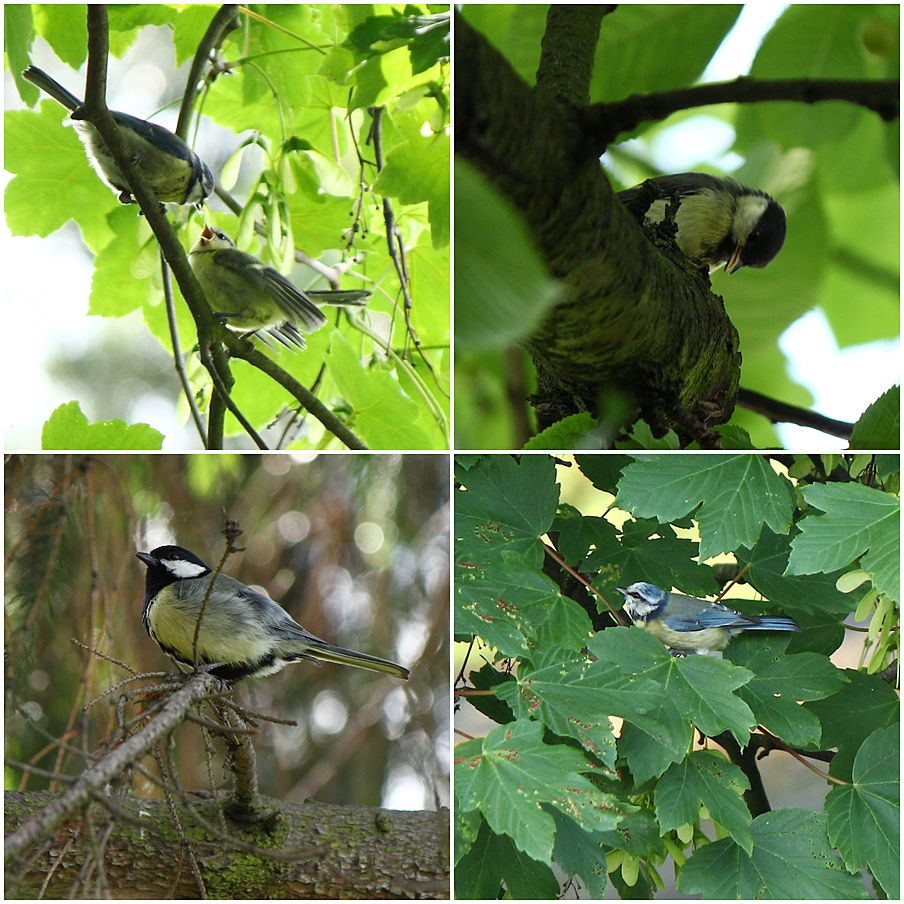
x,y
298,643
715,617
160,137
270,612
683,184
687,613
292,300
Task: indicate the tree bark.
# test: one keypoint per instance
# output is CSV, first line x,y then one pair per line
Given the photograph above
x,y
639,326
351,852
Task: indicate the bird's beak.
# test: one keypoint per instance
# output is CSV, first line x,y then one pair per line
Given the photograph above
x,y
204,239
734,262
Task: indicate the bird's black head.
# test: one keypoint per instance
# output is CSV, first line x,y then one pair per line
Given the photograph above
x,y
168,564
767,237
757,232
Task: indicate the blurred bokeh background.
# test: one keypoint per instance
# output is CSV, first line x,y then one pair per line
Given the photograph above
x,y
355,547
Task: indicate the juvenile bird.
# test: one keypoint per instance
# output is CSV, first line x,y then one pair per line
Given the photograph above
x,y
250,296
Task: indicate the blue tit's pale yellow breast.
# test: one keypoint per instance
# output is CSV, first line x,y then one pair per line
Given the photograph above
x,y
707,639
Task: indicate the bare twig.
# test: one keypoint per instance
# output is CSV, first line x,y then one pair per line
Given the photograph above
x,y
106,770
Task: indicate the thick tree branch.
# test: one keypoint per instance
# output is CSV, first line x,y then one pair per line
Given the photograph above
x,y
635,325
745,759
309,851
567,52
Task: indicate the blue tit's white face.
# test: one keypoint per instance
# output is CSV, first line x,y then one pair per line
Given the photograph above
x,y
643,601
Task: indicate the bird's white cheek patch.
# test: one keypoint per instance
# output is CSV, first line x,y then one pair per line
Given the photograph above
x,y
182,569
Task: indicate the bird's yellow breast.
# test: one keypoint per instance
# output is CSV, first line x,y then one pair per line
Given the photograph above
x,y
707,639
225,636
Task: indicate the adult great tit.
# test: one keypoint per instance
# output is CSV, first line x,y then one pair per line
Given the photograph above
x,y
173,170
686,624
719,220
243,633
251,296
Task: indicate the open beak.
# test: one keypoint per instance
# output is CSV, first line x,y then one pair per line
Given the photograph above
x,y
734,262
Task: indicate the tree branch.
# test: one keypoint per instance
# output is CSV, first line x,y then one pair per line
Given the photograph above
x,y
567,52
225,21
607,120
178,360
241,348
398,854
105,770
782,413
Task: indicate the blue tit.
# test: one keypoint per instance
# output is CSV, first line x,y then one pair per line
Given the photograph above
x,y
251,296
686,624
173,170
719,220
243,633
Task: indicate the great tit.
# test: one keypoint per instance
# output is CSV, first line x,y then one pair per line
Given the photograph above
x,y
251,296
243,633
719,220
686,624
173,170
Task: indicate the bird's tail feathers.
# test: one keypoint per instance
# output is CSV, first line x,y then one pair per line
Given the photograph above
x,y
329,653
356,298
52,87
773,623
